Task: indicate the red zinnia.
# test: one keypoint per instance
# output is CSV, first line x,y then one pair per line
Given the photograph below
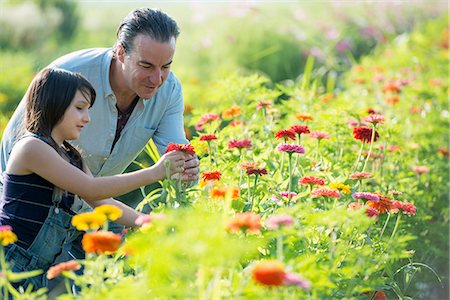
x,y
186,148
269,273
211,175
299,129
208,137
364,134
260,172
285,134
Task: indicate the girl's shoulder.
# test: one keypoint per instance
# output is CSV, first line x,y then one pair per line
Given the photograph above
x,y
25,151
30,142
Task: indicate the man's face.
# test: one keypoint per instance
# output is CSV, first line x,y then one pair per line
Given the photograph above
x,y
147,65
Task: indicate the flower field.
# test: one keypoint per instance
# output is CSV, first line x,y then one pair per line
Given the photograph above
x,y
306,192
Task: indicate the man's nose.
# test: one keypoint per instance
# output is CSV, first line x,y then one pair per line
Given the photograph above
x,y
156,77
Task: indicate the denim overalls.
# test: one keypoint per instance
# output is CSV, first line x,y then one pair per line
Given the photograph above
x,y
47,245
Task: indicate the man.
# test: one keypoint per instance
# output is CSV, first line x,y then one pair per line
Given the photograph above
x,y
138,97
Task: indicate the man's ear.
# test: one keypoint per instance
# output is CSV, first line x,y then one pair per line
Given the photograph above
x,y
120,53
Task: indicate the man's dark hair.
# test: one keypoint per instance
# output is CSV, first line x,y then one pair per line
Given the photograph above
x,y
154,23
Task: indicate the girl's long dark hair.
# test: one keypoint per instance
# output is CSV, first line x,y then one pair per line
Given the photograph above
x,y
51,92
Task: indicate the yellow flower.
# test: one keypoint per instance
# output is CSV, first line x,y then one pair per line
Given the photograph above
x,y
111,212
89,220
7,236
345,189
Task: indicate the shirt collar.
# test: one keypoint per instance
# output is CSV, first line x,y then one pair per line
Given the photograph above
x,y
106,65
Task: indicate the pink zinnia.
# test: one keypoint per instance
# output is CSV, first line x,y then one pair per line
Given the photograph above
x,y
207,118
366,196
5,228
285,134
372,212
320,135
311,180
374,119
278,221
146,219
240,144
360,175
284,195
299,129
420,169
291,148
294,279
324,192
407,208
208,137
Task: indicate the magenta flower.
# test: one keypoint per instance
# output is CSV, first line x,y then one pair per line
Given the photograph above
x,y
294,279
291,148
278,221
366,196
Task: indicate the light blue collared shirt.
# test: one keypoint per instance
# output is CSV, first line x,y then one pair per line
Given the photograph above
x,y
159,118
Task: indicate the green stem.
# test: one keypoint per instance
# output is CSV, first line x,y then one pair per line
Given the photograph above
x,y
396,226
385,224
355,166
281,166
290,178
254,191
280,247
3,266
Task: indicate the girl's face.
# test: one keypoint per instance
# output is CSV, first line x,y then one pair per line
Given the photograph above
x,y
74,119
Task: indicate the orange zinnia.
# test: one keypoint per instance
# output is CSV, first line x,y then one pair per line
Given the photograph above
x,y
383,205
231,112
248,222
55,271
303,117
101,242
269,273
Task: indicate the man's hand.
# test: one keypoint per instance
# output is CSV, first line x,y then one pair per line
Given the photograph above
x,y
191,169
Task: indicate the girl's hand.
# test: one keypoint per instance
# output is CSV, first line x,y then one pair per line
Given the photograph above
x,y
174,159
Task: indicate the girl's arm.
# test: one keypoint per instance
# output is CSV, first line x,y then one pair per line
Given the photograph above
x,y
31,155
129,215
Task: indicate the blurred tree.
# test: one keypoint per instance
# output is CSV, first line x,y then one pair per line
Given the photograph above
x,y
70,16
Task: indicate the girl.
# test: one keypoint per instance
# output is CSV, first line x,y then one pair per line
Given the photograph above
x,y
44,172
